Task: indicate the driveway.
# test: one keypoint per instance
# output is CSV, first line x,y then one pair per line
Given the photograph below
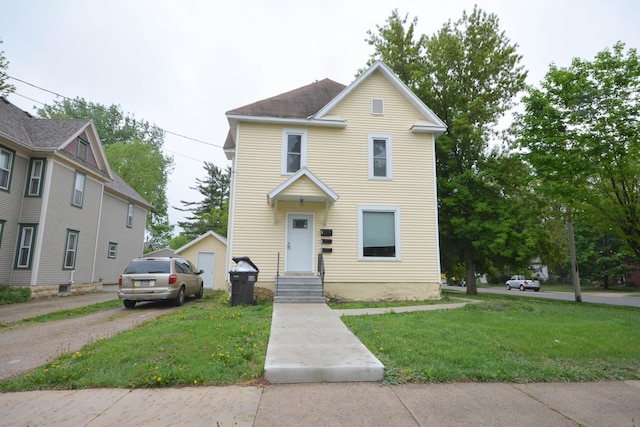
x,y
27,346
624,299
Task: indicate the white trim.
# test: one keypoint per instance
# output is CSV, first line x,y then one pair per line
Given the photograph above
x,y
202,237
288,121
387,138
435,203
285,149
44,208
232,201
272,196
425,111
376,208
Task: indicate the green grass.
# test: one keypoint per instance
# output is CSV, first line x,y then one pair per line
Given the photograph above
x,y
505,340
14,295
203,343
74,312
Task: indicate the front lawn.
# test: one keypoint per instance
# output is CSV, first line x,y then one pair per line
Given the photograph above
x,y
505,339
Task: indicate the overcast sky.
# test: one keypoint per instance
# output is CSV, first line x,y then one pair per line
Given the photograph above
x,y
181,64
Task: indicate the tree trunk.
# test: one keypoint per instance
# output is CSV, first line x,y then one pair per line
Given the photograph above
x,y
575,275
470,267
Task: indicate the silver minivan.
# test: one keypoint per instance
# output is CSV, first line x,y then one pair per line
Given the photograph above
x,y
160,278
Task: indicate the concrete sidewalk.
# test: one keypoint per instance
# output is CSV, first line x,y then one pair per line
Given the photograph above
x,y
335,404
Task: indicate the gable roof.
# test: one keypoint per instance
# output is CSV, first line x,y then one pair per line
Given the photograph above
x,y
298,103
438,126
328,194
52,135
202,237
312,104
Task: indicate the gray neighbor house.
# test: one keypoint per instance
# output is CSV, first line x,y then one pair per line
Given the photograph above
x,y
68,223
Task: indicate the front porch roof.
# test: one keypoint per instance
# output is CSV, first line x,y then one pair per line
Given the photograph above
x,y
303,186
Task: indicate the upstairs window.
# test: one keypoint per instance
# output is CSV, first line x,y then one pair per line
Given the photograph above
x,y
26,239
6,166
113,250
78,190
130,211
71,249
36,175
294,150
83,149
1,230
379,157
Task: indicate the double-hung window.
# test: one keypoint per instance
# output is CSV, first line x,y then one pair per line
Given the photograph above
x,y
6,165
294,150
113,250
78,189
2,221
130,211
26,240
379,156
83,149
71,249
36,176
379,233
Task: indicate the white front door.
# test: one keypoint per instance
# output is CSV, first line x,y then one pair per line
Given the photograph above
x,y
207,262
299,243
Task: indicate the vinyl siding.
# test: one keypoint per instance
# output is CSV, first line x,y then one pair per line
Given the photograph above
x,y
10,204
113,228
61,216
339,157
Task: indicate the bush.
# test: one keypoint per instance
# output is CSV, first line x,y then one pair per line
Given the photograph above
x,y
13,295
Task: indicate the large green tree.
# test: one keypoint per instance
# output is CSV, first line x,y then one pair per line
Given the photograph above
x,y
134,150
5,87
468,73
212,212
580,132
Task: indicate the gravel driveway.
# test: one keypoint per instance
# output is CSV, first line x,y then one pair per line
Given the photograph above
x,y
24,347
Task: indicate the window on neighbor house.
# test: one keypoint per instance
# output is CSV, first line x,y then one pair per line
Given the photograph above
x,y
26,239
83,149
130,211
71,249
1,230
113,250
379,232
294,150
36,175
6,165
78,189
379,156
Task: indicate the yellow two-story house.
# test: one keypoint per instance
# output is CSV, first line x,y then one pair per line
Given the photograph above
x,y
334,191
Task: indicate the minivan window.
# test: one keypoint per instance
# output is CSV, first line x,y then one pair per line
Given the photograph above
x,y
148,267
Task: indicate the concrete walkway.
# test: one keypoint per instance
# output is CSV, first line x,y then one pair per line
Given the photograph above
x,y
309,343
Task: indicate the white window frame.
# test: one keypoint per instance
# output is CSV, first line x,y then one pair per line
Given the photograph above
x,y
77,190
35,178
25,246
396,211
376,137
112,251
130,212
73,249
285,149
11,156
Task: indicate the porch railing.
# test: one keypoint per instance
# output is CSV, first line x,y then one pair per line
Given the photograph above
x,y
321,270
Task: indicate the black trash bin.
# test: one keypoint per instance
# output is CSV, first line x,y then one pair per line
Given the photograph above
x,y
243,279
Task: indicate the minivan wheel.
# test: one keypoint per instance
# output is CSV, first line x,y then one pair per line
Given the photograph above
x,y
128,303
200,294
180,298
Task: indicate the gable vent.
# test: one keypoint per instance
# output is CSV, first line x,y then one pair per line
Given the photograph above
x,y
377,106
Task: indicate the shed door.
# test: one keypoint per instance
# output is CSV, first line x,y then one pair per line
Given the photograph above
x,y
300,243
207,262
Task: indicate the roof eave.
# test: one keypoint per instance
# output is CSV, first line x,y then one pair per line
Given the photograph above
x,y
436,130
287,120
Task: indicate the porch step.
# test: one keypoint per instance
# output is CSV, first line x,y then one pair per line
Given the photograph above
x,y
299,289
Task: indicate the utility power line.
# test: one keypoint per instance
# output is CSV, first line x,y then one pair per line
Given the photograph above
x,y
71,99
